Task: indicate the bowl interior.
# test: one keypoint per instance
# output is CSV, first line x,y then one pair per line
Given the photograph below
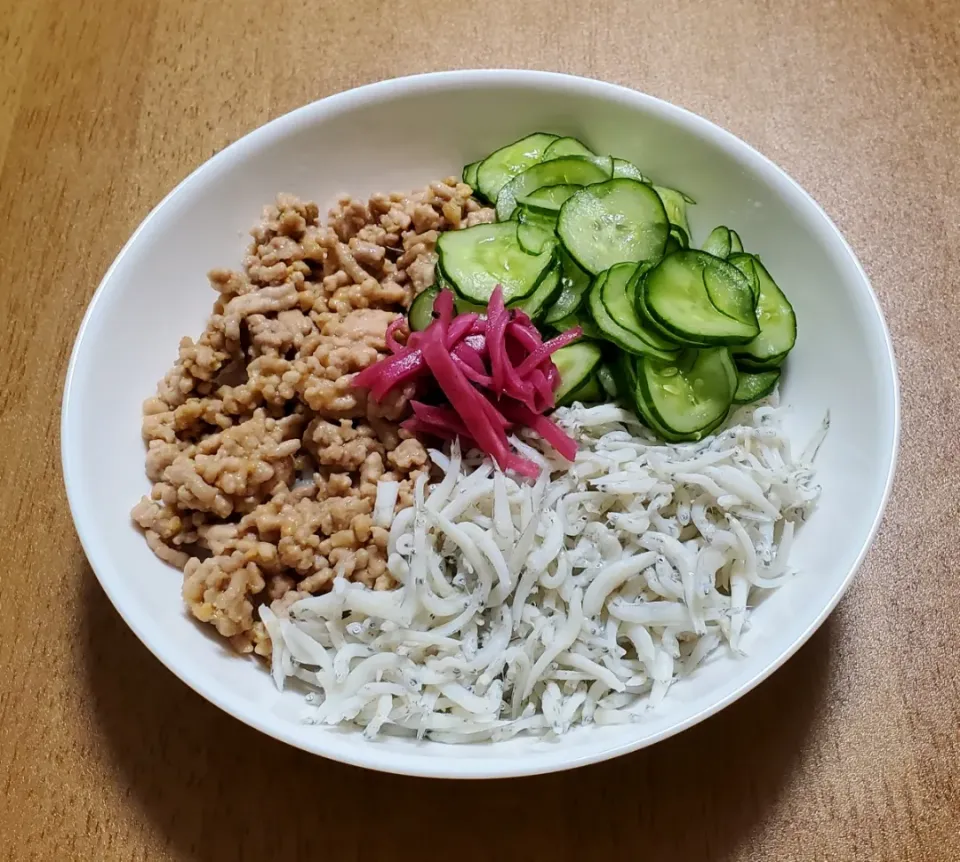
x,y
397,136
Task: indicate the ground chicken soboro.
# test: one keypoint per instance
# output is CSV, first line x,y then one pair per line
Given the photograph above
x,y
264,459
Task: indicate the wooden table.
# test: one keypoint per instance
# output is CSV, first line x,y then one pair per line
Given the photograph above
x,y
850,752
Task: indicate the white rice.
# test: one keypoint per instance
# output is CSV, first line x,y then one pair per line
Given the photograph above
x,y
580,598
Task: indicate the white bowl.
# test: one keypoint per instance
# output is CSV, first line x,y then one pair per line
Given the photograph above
x,y
399,135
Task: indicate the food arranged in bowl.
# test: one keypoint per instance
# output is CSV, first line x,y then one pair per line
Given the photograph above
x,y
501,455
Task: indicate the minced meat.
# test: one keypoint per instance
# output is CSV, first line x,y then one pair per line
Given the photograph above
x,y
264,459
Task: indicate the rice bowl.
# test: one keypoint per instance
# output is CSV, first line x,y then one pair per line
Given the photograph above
x,y
855,465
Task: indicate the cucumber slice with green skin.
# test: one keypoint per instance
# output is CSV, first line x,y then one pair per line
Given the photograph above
x,y
540,300
440,279
617,293
753,387
733,373
534,238
588,392
497,169
464,307
568,170
623,168
673,244
420,315
476,259
718,243
605,163
700,299
736,245
625,372
747,264
675,204
607,380
567,303
470,174
575,362
574,286
653,324
586,324
778,325
533,305
627,340
548,199
613,222
567,147
535,232
677,240
572,270
689,398
534,216
748,363
461,305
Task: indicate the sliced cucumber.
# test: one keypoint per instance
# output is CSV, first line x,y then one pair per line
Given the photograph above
x,y
730,290
534,238
632,341
653,323
605,163
679,236
588,392
585,322
625,372
575,362
733,373
688,398
673,243
623,168
718,243
747,264
619,299
574,285
675,203
535,232
613,222
532,215
566,303
699,299
464,307
753,387
567,170
567,147
440,281
778,325
470,174
747,363
533,305
548,199
586,240
541,299
497,169
420,315
476,259
607,380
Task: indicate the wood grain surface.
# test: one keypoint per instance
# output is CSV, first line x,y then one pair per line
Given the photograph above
x,y
850,752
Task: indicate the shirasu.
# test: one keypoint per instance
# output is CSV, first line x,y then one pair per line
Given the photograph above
x,y
534,607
